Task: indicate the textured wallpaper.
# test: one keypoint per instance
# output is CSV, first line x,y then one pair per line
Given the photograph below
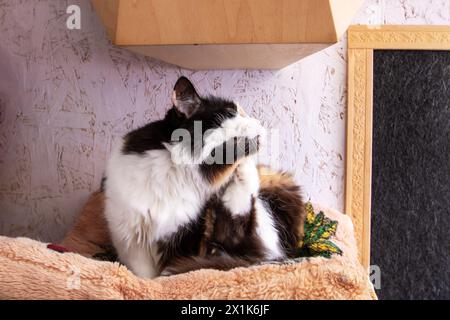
x,y
67,95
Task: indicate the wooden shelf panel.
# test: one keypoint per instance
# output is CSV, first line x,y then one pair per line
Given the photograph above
x,y
232,56
208,30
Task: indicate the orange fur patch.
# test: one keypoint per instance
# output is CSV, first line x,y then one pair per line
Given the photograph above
x,y
222,176
271,178
90,232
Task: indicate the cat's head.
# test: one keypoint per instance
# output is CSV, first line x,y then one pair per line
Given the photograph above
x,y
214,133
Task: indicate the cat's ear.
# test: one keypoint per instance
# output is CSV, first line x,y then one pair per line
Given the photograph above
x,y
184,97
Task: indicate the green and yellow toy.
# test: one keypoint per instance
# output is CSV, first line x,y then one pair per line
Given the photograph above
x,y
318,231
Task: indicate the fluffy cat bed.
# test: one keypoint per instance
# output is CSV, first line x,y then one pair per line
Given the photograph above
x,y
30,270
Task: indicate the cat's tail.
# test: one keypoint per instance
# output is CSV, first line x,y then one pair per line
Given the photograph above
x,y
222,262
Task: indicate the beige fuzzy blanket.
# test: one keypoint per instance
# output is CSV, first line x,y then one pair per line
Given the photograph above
x,y
29,270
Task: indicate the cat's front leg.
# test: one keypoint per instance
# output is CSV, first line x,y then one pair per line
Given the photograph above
x,y
136,255
243,187
137,258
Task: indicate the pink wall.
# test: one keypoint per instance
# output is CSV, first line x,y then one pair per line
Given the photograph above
x,y
67,95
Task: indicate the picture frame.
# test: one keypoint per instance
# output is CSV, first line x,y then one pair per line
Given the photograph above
x,y
363,40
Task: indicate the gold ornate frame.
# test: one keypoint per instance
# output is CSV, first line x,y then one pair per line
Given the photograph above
x,y
362,41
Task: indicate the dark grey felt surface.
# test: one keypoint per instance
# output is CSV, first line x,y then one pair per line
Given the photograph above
x,y
411,174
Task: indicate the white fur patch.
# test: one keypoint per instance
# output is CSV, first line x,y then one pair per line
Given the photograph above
x,y
267,232
148,198
245,185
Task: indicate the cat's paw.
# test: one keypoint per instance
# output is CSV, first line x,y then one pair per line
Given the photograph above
x,y
246,174
243,187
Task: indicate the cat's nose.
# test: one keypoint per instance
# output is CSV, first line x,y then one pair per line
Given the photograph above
x,y
241,111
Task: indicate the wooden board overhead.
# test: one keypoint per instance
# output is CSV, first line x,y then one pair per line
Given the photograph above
x,y
231,56
142,25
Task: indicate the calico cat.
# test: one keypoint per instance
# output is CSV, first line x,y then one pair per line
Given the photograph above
x,y
184,193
